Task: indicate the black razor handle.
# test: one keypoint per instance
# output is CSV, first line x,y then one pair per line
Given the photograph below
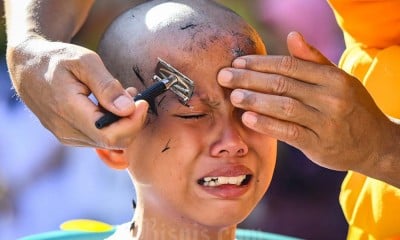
x,y
148,95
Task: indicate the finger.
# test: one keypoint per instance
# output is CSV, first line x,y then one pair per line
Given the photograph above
x,y
132,91
278,107
82,114
291,133
116,136
64,131
271,84
120,134
289,66
108,91
78,141
299,48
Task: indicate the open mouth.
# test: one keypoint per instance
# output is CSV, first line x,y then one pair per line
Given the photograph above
x,y
240,180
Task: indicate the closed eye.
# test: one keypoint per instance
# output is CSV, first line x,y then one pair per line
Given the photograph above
x,y
192,116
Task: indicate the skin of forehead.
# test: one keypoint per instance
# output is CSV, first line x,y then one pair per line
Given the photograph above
x,y
186,29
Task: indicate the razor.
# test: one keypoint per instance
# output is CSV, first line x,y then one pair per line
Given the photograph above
x,y
166,77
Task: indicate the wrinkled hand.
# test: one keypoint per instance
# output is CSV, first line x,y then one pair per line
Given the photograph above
x,y
309,103
54,80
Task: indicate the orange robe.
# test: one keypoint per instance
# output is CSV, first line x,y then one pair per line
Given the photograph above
x,y
372,34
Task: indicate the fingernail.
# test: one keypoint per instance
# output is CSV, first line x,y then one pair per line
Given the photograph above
x,y
225,77
237,96
239,63
296,34
123,102
249,119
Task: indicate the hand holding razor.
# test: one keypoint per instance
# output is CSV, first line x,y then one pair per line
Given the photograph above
x,y
167,78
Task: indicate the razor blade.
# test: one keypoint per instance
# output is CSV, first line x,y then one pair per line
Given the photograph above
x,y
181,85
166,77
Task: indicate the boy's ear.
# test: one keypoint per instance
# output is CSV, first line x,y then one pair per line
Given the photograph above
x,y
113,158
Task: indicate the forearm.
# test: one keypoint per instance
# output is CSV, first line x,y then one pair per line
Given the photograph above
x,y
51,19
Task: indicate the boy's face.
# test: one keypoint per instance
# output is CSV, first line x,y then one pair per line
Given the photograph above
x,y
176,159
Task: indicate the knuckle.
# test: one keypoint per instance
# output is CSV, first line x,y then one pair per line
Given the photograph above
x,y
337,104
288,107
87,58
341,106
331,72
105,86
293,132
83,60
340,79
339,98
287,65
281,86
79,61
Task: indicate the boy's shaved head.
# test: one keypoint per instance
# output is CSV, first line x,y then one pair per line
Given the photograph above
x,y
184,33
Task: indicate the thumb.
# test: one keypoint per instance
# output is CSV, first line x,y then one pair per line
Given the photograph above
x,y
107,90
299,48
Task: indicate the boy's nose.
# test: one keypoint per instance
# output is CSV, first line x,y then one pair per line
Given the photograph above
x,y
229,143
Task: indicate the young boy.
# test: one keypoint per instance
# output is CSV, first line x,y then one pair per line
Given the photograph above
x,y
197,170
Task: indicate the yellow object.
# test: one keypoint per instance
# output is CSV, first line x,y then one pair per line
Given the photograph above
x,y
85,225
372,207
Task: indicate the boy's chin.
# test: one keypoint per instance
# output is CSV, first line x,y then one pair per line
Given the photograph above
x,y
224,219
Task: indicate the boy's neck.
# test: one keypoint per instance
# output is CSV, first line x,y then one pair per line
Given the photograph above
x,y
153,226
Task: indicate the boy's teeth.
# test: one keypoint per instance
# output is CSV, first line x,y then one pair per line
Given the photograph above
x,y
217,181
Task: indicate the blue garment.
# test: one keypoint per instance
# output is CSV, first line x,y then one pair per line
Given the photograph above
x,y
241,234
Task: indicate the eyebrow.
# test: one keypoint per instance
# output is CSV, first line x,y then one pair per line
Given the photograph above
x,y
210,103
205,99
